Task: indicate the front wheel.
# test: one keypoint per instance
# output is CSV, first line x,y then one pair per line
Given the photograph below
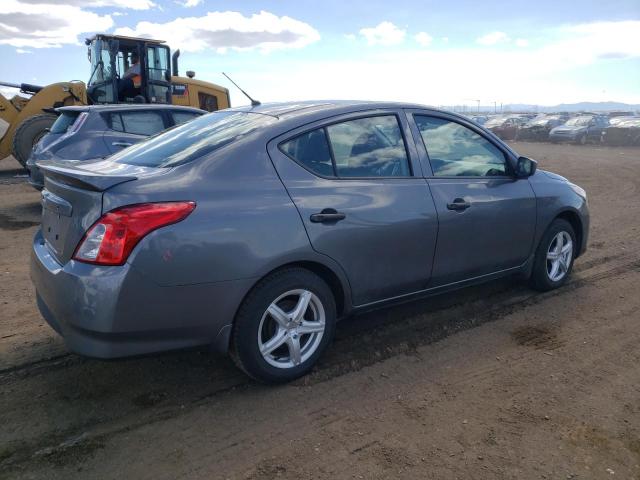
x,y
283,326
554,256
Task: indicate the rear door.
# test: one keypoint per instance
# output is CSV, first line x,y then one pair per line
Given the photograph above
x,y
487,217
358,187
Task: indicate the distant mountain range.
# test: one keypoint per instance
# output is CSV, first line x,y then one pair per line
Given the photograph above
x,y
563,107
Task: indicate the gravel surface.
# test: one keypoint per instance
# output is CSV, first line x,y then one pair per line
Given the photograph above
x,y
491,382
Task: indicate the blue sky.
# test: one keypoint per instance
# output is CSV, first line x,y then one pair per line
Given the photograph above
x,y
439,53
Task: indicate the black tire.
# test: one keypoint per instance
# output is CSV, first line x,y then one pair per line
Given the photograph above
x,y
583,139
539,276
28,133
244,341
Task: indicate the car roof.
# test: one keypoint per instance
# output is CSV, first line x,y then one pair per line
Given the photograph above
x,y
120,107
327,107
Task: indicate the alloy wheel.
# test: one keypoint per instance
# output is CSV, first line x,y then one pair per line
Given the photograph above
x,y
291,328
559,256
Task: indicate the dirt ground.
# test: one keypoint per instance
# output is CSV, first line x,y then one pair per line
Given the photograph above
x,y
493,382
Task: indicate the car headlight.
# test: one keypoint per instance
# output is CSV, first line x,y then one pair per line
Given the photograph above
x,y
579,190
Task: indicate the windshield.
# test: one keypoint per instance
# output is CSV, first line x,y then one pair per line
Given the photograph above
x,y
578,122
100,62
192,140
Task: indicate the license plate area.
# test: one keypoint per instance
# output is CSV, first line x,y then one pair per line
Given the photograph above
x,y
56,217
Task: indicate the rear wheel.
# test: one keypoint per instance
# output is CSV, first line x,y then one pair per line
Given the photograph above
x,y
28,133
583,139
554,256
283,326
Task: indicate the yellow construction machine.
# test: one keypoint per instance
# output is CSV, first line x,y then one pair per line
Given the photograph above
x,y
123,70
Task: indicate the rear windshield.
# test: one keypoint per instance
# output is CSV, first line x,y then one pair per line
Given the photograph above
x,y
192,140
63,122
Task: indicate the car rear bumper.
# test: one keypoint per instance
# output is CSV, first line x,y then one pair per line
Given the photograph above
x,y
112,312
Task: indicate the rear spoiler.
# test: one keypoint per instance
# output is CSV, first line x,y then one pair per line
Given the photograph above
x,y
80,178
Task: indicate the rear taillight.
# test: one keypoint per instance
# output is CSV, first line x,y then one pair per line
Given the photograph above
x,y
111,239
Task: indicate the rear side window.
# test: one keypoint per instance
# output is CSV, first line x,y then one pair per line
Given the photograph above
x,y
192,140
362,148
181,117
311,149
64,121
137,123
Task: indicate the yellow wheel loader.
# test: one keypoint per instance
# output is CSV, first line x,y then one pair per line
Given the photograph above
x,y
123,70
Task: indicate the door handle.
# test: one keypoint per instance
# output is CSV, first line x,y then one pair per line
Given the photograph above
x,y
121,144
458,204
327,215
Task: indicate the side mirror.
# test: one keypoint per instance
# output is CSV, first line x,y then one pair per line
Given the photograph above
x,y
525,167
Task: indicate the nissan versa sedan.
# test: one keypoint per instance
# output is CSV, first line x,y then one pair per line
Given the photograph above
x,y
252,230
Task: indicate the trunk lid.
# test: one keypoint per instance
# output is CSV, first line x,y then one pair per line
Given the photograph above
x,y
72,199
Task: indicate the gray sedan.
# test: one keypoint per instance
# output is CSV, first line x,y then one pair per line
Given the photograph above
x,y
253,230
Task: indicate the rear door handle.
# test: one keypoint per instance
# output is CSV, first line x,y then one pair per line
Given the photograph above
x,y
327,215
121,144
458,204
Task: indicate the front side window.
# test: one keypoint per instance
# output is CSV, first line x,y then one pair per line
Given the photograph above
x,y
362,148
457,151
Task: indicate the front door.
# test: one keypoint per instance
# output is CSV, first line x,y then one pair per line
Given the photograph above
x,y
357,185
486,216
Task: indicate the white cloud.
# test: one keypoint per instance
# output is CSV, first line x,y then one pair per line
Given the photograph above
x,y
189,3
445,39
119,14
522,42
385,33
551,82
20,50
229,30
349,36
42,26
8,92
423,38
493,38
131,4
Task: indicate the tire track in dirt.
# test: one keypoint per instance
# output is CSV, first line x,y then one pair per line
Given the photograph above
x,y
385,344
65,360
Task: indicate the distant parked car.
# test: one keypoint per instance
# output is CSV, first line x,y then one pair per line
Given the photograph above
x,y
582,129
479,119
253,230
539,127
97,131
626,132
506,126
616,120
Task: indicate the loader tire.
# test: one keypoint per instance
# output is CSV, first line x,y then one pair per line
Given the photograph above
x,y
28,133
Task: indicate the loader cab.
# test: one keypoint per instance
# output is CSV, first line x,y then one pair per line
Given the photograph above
x,y
128,70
